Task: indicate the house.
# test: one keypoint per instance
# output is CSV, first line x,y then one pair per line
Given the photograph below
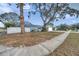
x,y
49,27
32,27
28,28
18,29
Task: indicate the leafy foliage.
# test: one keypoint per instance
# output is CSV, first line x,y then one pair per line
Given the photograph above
x,y
9,24
63,27
68,27
75,26
10,17
53,11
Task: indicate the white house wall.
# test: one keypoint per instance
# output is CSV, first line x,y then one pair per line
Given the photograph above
x,y
2,25
50,29
16,30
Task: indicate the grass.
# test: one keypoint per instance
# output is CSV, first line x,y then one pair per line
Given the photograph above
x,y
69,48
27,39
1,30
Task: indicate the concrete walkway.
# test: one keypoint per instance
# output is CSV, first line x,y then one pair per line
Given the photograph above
x,y
37,50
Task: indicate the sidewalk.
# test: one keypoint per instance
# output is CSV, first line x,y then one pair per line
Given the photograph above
x,y
37,50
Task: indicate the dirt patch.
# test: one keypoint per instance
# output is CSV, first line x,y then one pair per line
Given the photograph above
x,y
27,39
69,48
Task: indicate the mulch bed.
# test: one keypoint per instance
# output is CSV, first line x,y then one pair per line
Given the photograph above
x,y
27,39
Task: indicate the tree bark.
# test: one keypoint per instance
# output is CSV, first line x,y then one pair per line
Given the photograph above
x,y
44,28
22,18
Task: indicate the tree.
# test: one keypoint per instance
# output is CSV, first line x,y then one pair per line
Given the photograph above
x,y
63,27
53,11
9,24
75,26
22,18
10,17
20,5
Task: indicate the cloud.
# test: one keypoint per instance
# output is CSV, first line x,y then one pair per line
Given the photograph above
x,y
4,8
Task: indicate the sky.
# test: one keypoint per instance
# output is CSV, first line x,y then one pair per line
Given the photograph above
x,y
36,19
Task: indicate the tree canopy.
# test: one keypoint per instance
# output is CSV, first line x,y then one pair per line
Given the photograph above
x,y
63,27
54,11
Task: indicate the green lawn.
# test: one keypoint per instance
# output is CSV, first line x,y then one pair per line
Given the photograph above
x,y
69,47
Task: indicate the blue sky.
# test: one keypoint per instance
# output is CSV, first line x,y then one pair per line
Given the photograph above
x,y
35,19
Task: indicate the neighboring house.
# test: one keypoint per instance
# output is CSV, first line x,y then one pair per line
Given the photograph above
x,y
32,27
49,27
28,28
18,29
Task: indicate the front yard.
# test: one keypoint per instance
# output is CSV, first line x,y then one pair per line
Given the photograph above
x,y
1,30
27,39
69,47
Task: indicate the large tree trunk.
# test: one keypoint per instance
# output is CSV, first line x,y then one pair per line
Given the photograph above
x,y
22,18
44,28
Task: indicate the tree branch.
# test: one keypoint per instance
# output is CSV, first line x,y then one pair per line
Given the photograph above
x,y
52,17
